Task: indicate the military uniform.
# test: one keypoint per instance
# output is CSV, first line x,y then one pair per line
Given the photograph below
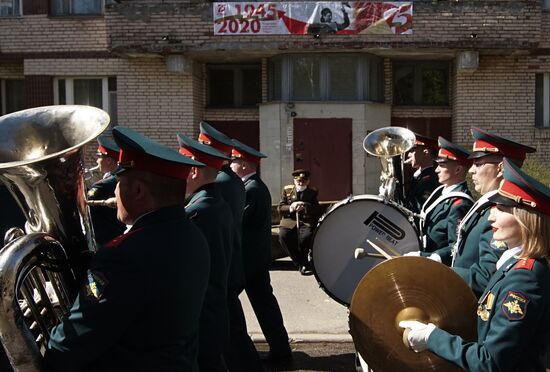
x,y
212,215
104,219
140,305
420,189
240,352
257,257
11,214
475,254
442,216
296,240
513,322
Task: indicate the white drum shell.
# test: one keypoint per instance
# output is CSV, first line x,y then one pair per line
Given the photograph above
x,y
347,226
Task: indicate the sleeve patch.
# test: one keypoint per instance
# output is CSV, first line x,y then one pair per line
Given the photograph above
x,y
95,285
525,263
457,201
514,306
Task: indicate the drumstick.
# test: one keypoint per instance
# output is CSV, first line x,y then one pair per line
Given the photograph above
x,y
389,248
380,250
360,253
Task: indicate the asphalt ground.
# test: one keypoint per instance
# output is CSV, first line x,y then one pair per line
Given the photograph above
x,y
317,325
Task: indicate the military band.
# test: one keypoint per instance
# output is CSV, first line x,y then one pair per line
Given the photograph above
x,y
192,230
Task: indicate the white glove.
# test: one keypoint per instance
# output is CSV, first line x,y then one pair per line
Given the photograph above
x,y
435,257
413,254
418,333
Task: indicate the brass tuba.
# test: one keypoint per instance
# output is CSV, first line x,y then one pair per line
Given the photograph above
x,y
387,143
41,163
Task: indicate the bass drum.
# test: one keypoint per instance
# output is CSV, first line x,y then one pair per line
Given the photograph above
x,y
348,225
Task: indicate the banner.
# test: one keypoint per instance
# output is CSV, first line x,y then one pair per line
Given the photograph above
x,y
359,17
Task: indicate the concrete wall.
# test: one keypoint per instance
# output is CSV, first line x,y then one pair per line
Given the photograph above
x,y
276,140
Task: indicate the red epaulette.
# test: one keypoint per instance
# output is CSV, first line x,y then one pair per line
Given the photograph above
x,y
115,242
525,263
457,201
426,178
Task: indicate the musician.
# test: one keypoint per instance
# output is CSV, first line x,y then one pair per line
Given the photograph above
x,y
104,219
240,353
421,158
513,320
211,214
140,305
447,205
475,253
295,233
257,252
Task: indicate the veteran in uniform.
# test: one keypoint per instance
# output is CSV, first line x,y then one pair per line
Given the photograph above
x,y
104,219
120,320
299,210
211,214
513,324
424,182
257,252
475,253
447,205
240,353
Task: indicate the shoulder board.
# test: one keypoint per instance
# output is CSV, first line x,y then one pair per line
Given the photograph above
x,y
457,201
525,263
289,187
119,239
425,178
92,192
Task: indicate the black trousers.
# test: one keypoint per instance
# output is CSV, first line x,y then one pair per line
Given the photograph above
x,y
297,243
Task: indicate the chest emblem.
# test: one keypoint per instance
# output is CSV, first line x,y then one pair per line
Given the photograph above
x,y
485,306
515,306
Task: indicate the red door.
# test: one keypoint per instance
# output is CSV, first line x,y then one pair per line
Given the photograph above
x,y
324,147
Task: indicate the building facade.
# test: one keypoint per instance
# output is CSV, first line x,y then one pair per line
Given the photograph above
x,y
306,100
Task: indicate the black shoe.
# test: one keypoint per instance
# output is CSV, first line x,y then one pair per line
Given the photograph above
x,y
277,358
306,270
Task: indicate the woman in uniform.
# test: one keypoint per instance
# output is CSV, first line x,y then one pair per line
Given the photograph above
x,y
514,311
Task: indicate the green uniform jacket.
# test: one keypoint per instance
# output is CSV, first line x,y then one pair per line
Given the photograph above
x,y
106,225
309,216
441,222
475,254
139,308
256,226
232,190
212,215
420,189
513,322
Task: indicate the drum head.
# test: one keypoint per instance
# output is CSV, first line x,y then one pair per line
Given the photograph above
x,y
348,226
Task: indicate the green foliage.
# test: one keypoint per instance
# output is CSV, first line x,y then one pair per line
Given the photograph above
x,y
537,170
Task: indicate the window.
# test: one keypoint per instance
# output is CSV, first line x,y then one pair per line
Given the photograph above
x,y
10,8
76,7
234,85
421,83
326,77
542,100
545,4
12,95
97,92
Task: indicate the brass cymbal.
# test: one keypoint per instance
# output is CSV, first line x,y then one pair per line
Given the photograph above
x,y
409,288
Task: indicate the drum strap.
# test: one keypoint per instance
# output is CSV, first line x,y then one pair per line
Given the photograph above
x,y
479,205
426,211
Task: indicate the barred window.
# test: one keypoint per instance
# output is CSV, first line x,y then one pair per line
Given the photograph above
x,y
542,100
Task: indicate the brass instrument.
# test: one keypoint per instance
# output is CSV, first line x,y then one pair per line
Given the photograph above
x,y
387,143
41,152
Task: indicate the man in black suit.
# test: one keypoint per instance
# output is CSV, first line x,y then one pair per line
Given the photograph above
x,y
299,210
257,251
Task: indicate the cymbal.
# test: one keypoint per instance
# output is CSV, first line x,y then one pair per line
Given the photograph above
x,y
409,288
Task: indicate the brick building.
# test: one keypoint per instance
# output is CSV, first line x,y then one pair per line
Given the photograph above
x,y
304,100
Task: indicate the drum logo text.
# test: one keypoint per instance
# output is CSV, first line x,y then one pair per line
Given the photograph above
x,y
383,226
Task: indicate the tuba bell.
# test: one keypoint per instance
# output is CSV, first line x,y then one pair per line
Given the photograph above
x,y
390,144
41,164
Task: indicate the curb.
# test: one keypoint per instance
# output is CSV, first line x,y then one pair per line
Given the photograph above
x,y
298,338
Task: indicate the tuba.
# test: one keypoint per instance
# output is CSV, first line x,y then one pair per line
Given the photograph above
x,y
41,164
388,143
